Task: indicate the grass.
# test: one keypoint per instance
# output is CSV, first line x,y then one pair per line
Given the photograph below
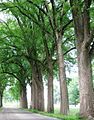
x,y
0,109
71,116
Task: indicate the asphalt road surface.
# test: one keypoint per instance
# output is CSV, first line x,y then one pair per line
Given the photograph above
x,y
17,114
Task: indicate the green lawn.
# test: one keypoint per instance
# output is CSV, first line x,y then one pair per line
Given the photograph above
x,y
71,116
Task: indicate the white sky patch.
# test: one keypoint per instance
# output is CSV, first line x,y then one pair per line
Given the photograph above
x,y
29,95
3,16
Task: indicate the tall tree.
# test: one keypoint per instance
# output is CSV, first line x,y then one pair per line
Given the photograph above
x,y
84,34
57,28
15,69
49,51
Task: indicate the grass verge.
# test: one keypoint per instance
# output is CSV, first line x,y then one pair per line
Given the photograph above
x,y
0,109
71,116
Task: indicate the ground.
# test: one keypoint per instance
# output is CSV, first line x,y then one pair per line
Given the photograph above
x,y
18,114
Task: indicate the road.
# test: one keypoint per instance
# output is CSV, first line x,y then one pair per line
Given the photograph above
x,y
17,114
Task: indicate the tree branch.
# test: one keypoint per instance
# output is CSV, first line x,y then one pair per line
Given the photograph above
x,y
54,61
37,7
31,17
69,50
65,26
13,76
54,13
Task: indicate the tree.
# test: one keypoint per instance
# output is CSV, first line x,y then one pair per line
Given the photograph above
x,y
12,64
84,35
57,33
16,71
34,25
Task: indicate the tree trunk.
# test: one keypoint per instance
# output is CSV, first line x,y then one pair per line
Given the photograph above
x,y
1,97
40,90
37,90
64,107
23,97
85,84
34,95
84,39
37,96
50,106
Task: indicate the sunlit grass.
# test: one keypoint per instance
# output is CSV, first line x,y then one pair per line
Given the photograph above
x,y
73,114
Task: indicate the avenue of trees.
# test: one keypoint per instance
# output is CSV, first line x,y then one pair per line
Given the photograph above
x,y
39,41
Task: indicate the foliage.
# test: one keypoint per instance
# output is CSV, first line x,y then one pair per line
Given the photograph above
x,y
73,92
3,83
14,91
22,41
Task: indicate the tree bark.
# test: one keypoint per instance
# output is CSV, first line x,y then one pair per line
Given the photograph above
x,y
85,84
37,90
64,107
1,101
23,97
83,35
34,94
50,106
